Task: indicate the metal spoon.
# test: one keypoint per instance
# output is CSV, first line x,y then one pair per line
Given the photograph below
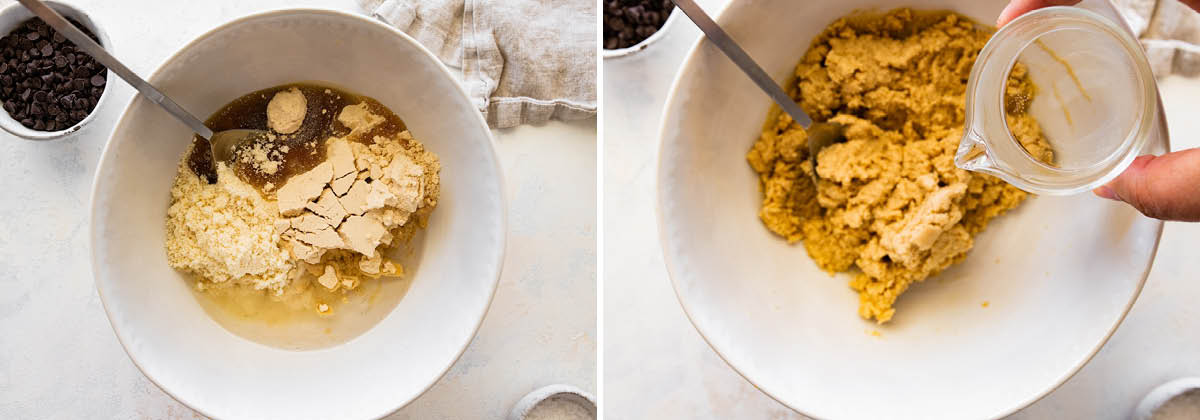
x,y
820,135
221,143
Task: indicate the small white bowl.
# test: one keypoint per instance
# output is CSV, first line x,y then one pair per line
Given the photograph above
x,y
661,32
533,399
1161,394
14,15
222,375
1059,273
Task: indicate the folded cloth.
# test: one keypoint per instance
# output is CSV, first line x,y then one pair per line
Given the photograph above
x,y
1169,31
521,61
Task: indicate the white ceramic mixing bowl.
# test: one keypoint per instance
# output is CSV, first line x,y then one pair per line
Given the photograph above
x,y
155,316
1058,273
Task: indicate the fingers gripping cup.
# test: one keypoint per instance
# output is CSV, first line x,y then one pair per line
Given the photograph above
x,y
1096,101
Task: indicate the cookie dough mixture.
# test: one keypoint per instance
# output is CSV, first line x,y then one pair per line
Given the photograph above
x,y
327,224
890,200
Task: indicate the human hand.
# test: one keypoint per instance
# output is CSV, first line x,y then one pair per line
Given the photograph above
x,y
1163,187
1019,7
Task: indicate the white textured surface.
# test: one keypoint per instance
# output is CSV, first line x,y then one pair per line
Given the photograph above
x,y
657,366
60,359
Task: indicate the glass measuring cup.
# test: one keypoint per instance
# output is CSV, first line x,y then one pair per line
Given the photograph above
x,y
1096,101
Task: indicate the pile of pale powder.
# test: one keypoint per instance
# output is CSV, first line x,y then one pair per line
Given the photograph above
x,y
326,226
225,232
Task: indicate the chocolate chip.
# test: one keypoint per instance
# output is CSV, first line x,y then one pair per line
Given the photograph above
x,y
79,84
41,96
33,36
98,80
52,125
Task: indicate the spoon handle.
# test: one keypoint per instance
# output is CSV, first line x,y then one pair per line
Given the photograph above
x,y
743,60
85,43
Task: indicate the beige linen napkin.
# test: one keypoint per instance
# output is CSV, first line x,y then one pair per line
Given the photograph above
x,y
521,61
1169,31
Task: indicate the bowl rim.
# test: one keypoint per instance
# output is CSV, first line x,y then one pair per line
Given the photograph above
x,y
490,144
668,261
12,126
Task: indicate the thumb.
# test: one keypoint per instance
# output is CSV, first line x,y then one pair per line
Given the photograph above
x,y
1162,187
1019,7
